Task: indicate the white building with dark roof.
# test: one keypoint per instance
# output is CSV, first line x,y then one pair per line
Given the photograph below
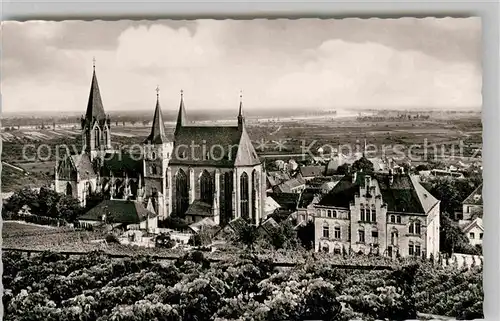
x,y
379,213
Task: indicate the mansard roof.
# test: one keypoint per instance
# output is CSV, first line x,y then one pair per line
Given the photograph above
x,y
95,108
403,195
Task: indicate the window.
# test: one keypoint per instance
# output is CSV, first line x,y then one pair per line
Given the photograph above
x,y
374,215
374,236
362,214
480,236
394,237
337,250
153,169
206,187
336,232
417,250
367,215
389,251
417,227
398,219
329,213
361,236
410,248
326,231
334,214
471,235
393,219
244,196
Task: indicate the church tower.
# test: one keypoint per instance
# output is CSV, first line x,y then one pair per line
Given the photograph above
x,y
157,153
96,133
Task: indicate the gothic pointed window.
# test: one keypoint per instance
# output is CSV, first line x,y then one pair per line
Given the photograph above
x,y
206,187
181,192
96,137
255,184
226,197
69,189
244,196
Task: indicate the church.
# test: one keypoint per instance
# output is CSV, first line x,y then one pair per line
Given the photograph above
x,y
205,172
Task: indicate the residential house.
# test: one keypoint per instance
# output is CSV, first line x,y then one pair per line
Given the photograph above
x,y
472,205
474,231
127,214
310,172
379,213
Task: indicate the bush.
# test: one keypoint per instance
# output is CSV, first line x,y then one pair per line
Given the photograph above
x,y
111,238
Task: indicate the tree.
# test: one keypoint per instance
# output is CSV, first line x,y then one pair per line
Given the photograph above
x,y
68,208
306,235
247,235
363,164
452,237
343,169
284,236
164,240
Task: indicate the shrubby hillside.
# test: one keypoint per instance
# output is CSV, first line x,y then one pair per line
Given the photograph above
x,y
95,287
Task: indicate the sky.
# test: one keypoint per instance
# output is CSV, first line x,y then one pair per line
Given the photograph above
x,y
305,63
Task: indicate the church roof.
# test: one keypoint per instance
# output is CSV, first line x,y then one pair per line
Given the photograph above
x,y
121,162
181,115
213,146
94,105
119,211
83,165
157,135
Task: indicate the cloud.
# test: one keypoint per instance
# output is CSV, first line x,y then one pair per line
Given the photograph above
x,y
277,63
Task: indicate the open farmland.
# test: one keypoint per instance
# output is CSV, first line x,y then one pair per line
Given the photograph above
x,y
445,130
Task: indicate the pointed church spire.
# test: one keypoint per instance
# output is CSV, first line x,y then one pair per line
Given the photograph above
x,y
241,119
181,116
157,135
95,108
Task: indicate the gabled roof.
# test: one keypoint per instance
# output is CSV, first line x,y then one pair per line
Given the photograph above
x,y
270,205
269,226
472,199
199,208
478,222
287,201
207,222
118,211
157,135
83,165
289,185
246,156
94,105
307,197
312,171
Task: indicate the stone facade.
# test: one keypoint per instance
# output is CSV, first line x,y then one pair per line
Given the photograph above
x,y
368,223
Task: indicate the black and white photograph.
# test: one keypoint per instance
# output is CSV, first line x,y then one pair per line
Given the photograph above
x,y
258,169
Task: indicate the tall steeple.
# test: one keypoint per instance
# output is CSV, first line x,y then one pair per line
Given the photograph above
x,y
157,135
241,119
95,108
181,116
